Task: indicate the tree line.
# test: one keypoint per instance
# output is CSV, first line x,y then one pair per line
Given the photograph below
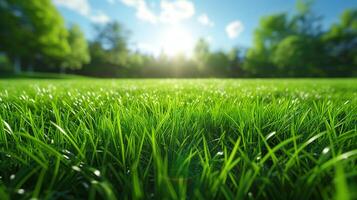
x,y
33,37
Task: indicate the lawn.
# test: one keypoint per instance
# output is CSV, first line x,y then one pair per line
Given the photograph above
x,y
178,139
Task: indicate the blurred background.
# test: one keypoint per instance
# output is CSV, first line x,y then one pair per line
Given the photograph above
x,y
179,38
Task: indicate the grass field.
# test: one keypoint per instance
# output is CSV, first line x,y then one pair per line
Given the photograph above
x,y
178,139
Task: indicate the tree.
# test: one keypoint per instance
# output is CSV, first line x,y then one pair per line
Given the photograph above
x,y
201,53
287,44
271,31
341,44
97,53
108,51
291,54
5,65
305,21
300,56
135,63
218,64
79,53
235,61
32,31
113,38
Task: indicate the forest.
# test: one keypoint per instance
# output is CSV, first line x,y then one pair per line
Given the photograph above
x,y
35,38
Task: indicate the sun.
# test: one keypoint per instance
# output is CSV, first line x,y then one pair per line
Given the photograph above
x,y
177,40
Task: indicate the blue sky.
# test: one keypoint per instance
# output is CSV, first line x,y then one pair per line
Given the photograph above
x,y
156,25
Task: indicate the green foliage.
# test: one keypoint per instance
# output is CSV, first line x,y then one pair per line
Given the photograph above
x,y
79,54
112,38
284,45
202,53
235,67
295,45
305,21
296,55
32,30
109,52
135,60
341,43
5,64
272,29
218,63
33,35
233,56
178,139
304,6
291,51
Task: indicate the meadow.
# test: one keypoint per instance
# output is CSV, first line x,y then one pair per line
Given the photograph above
x,y
178,139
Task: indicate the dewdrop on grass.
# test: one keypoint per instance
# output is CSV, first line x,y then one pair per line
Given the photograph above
x,y
325,150
96,172
20,191
258,157
270,135
76,168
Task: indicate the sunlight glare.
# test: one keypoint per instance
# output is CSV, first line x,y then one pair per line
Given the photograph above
x,y
177,40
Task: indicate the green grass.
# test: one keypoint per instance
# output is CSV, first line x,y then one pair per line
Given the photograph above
x,y
178,139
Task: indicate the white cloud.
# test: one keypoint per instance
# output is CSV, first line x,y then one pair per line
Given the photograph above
x,y
80,6
144,13
205,20
133,3
99,18
170,11
234,29
173,12
83,8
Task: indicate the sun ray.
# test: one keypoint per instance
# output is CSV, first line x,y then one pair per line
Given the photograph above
x,y
177,40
